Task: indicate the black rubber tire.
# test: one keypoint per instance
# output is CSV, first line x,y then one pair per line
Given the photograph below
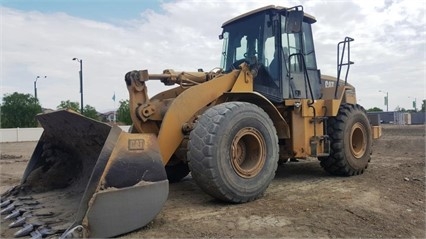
x,y
177,172
351,142
243,130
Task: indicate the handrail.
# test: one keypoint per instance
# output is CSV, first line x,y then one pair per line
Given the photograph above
x,y
305,71
340,64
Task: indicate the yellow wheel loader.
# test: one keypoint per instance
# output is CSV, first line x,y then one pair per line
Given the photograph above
x,y
229,128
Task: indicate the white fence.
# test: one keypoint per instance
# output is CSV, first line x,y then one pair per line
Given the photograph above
x,y
28,134
20,134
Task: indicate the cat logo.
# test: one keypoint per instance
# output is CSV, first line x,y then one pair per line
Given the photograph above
x,y
329,84
136,144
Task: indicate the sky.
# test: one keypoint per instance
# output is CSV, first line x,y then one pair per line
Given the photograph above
x,y
40,38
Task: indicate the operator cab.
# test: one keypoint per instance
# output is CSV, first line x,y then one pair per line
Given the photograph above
x,y
277,45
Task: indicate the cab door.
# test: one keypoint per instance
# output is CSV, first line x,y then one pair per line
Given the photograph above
x,y
302,77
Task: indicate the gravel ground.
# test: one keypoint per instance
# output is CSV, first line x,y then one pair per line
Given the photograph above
x,y
303,201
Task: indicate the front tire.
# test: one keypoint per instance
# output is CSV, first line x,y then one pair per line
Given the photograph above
x,y
233,151
351,142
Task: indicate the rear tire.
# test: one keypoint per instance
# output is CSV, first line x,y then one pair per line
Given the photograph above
x,y
233,152
351,142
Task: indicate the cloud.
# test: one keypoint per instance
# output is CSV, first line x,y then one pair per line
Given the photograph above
x,y
389,48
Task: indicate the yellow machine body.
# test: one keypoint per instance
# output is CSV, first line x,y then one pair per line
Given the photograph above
x,y
229,127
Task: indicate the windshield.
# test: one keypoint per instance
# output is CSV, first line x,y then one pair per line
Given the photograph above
x,y
253,40
272,53
242,41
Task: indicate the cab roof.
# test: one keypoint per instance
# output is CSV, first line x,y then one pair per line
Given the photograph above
x,y
308,18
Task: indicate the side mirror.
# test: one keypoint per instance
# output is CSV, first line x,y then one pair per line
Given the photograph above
x,y
294,20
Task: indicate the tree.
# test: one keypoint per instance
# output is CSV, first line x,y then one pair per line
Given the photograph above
x,y
88,111
69,105
375,109
423,106
19,110
123,112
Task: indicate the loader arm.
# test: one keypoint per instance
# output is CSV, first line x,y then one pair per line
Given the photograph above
x,y
181,110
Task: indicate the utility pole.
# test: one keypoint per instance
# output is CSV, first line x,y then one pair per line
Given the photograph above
x,y
414,103
35,86
386,100
81,82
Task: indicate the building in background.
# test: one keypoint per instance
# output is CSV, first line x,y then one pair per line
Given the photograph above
x,y
400,118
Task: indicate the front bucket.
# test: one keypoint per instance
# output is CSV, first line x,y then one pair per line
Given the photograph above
x,y
85,179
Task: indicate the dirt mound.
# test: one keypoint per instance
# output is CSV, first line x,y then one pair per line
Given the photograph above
x,y
403,130
401,140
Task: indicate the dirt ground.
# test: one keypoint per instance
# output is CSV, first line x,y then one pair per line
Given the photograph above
x,y
303,201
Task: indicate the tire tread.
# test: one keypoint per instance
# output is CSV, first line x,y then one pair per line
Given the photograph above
x,y
201,149
337,163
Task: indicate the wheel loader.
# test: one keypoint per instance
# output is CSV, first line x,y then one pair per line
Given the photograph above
x,y
229,127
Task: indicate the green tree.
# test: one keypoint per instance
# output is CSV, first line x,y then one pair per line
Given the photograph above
x,y
19,110
375,109
69,105
123,112
423,106
90,111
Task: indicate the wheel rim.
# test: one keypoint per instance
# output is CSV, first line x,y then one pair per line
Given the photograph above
x,y
248,152
358,140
